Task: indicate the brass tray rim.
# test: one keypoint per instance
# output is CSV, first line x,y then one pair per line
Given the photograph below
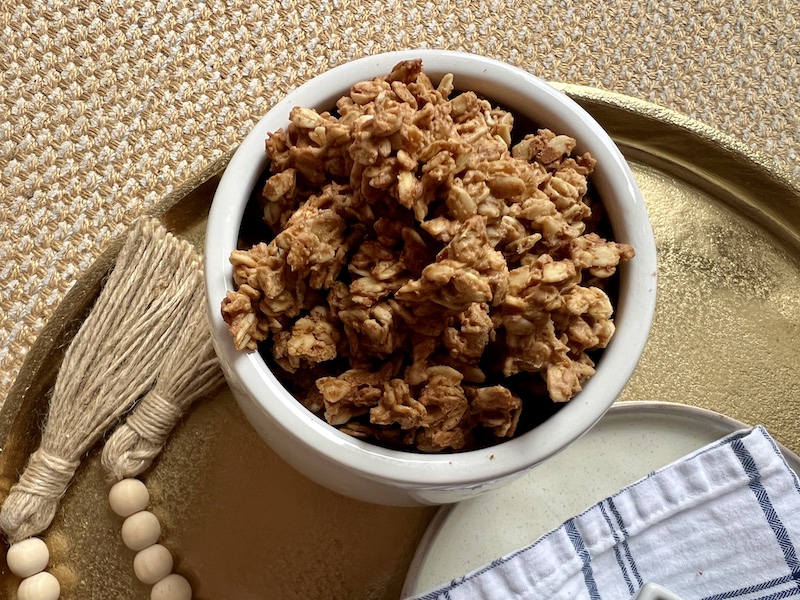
x,y
698,128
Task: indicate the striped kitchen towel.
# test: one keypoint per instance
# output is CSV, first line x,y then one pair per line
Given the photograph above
x,y
721,523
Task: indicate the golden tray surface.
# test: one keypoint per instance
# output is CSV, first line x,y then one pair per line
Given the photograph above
x,y
242,524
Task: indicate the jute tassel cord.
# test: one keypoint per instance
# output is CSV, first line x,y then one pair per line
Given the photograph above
x,y
144,333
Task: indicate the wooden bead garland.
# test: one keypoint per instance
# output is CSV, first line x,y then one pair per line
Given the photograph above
x,y
140,532
149,300
146,341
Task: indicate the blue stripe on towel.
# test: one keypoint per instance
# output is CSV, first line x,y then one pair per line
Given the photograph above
x,y
620,561
752,589
625,547
782,594
444,591
774,521
577,542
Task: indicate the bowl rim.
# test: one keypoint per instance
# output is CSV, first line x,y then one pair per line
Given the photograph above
x,y
410,469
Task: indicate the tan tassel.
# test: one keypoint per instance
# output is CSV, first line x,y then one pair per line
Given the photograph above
x,y
113,360
190,371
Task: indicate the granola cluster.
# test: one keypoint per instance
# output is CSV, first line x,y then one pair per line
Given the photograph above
x,y
420,260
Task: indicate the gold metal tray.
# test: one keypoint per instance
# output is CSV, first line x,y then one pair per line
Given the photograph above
x,y
242,524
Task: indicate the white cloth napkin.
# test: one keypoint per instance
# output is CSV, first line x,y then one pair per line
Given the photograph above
x,y
721,523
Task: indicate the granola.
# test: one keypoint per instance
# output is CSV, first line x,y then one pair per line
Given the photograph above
x,y
425,272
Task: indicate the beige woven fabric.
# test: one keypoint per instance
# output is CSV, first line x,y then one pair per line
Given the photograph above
x,y
106,106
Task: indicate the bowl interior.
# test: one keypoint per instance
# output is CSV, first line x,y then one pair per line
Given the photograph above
x,y
542,104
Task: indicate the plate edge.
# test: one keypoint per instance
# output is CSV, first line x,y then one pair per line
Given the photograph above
x,y
618,408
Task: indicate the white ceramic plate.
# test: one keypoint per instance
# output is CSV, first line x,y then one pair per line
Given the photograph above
x,y
630,441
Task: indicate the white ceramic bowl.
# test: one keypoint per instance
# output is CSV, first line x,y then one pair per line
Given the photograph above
x,y
366,471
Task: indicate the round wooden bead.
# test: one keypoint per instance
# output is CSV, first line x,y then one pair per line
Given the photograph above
x,y
172,587
152,564
128,496
27,557
42,586
141,530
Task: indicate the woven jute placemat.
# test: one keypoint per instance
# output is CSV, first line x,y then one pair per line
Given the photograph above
x,y
109,105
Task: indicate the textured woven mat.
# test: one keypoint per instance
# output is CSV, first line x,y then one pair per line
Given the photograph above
x,y
107,106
